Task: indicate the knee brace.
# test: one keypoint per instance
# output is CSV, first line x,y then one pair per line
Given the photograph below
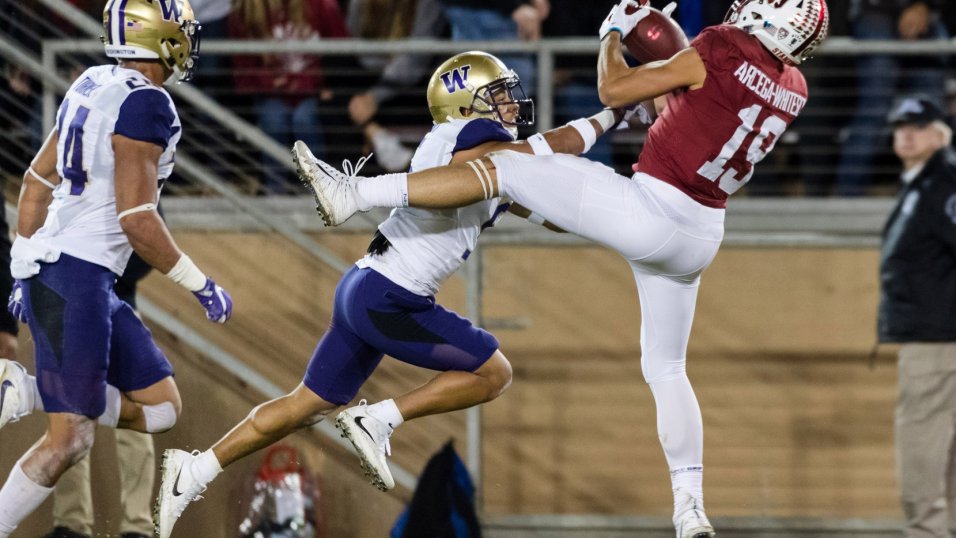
x,y
160,417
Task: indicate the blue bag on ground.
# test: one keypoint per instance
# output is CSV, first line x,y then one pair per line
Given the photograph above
x,y
444,502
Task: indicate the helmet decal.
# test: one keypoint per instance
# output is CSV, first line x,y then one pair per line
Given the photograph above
x,y
163,30
456,79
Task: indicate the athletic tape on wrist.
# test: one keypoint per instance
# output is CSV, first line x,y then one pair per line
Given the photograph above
x,y
539,144
39,178
186,274
586,130
605,119
535,218
137,209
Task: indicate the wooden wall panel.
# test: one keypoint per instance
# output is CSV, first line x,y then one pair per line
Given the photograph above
x,y
796,422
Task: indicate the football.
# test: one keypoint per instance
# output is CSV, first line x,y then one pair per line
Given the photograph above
x,y
656,37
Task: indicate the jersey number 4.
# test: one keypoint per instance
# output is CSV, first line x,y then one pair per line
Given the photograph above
x,y
73,148
725,168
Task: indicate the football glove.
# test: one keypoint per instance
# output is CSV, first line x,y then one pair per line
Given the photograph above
x,y
618,20
15,302
215,300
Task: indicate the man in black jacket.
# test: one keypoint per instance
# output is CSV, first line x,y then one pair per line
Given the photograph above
x,y
918,310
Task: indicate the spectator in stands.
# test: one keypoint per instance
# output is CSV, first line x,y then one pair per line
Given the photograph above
x,y
918,310
504,20
73,515
389,75
879,74
286,88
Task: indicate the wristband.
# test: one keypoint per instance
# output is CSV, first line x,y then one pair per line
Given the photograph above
x,y
605,119
535,218
586,130
186,274
539,144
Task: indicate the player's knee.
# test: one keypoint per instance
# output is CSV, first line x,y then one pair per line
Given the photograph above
x,y
72,445
498,373
658,370
160,417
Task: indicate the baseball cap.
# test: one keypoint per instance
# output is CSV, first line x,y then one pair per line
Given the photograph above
x,y
914,109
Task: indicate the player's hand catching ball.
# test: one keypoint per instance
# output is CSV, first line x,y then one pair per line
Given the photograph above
x,y
215,300
623,18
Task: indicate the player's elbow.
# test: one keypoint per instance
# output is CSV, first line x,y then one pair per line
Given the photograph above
x,y
611,95
136,226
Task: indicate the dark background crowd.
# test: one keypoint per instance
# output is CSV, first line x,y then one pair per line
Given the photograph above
x,y
345,106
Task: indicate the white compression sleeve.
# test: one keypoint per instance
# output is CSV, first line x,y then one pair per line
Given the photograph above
x,y
586,130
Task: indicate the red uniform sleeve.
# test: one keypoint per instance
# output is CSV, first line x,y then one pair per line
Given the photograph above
x,y
717,50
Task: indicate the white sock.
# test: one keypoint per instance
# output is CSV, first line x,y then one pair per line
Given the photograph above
x,y
387,412
111,415
688,481
389,190
206,467
19,497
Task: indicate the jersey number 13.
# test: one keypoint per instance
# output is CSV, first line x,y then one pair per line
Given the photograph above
x,y
725,168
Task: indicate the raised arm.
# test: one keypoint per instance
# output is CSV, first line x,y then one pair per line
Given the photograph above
x,y
570,138
621,85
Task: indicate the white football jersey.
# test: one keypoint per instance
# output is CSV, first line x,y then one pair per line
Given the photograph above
x,y
427,246
105,100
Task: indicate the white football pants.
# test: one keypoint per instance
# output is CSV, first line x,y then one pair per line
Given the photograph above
x,y
667,238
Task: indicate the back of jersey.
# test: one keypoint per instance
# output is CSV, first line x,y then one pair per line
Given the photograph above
x,y
105,100
707,140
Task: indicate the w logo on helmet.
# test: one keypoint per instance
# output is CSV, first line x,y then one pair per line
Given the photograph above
x,y
172,10
456,78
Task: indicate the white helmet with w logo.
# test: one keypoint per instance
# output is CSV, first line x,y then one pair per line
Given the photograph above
x,y
790,29
474,85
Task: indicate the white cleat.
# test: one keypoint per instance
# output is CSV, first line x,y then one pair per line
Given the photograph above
x,y
179,488
691,521
369,436
14,402
334,191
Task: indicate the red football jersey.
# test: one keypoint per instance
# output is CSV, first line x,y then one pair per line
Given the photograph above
x,y
707,141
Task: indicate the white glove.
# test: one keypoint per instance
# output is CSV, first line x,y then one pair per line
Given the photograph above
x,y
618,20
25,255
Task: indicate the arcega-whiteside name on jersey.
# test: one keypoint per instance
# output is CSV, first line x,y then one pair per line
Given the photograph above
x,y
427,246
105,100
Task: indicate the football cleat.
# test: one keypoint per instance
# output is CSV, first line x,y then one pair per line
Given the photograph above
x,y
334,191
14,403
369,436
690,521
179,488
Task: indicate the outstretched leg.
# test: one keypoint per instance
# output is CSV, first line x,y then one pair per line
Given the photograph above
x,y
186,475
67,440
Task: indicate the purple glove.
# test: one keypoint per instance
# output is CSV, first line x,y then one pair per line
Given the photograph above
x,y
15,303
215,300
